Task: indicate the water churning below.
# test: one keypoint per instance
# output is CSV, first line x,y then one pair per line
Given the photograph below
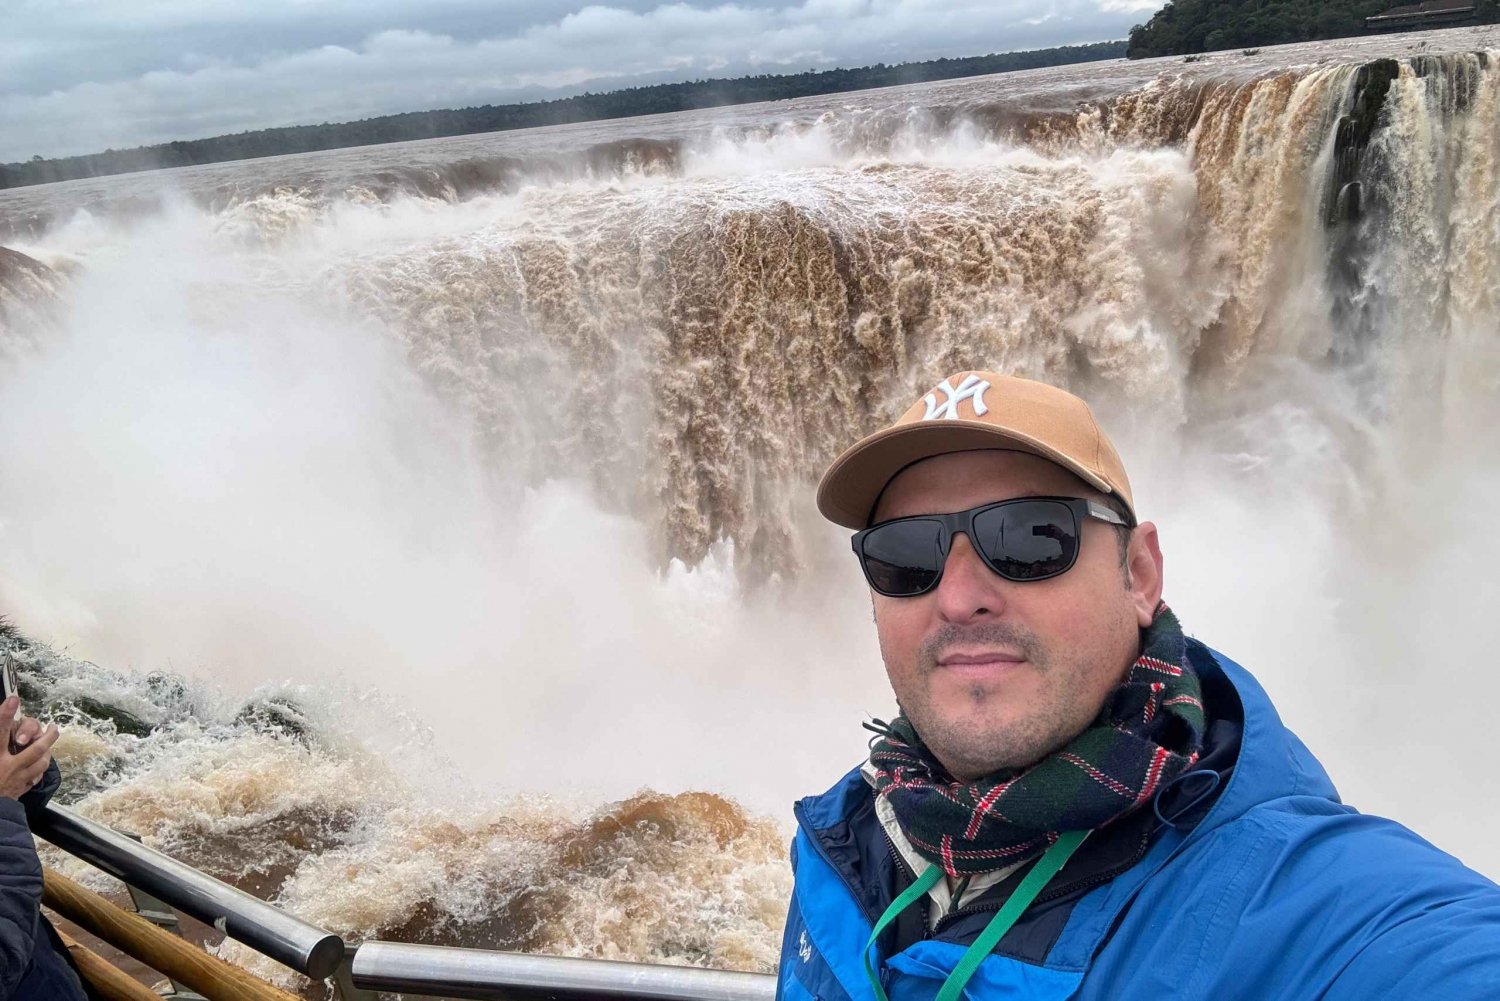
x,y
451,544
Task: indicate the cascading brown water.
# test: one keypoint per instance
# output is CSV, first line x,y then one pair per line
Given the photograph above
x,y
727,338
28,296
491,461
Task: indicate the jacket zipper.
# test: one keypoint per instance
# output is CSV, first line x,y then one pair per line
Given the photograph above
x,y
908,875
901,866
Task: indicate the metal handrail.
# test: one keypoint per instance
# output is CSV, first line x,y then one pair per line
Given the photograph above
x,y
481,974
383,966
267,929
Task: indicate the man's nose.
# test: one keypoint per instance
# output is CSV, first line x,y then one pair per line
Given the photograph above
x,y
969,589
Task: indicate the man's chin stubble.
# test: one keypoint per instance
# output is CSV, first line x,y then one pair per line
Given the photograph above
x,y
955,745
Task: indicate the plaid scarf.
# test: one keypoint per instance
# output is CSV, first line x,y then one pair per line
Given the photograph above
x,y
1149,732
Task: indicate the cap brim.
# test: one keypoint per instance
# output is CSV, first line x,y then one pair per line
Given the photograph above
x,y
849,489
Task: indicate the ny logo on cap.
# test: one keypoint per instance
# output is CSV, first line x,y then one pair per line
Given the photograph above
x,y
972,388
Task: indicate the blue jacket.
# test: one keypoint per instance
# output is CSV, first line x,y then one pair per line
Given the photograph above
x,y
1259,884
33,964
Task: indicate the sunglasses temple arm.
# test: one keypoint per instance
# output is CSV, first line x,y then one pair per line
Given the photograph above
x,y
1102,513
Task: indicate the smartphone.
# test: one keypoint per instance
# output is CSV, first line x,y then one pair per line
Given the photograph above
x,y
8,683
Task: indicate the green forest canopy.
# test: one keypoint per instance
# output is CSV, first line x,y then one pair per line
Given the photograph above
x,y
494,118
1186,26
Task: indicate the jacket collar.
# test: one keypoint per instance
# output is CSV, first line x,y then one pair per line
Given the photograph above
x,y
1271,762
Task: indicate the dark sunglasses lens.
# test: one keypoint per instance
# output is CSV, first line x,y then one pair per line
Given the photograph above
x,y
904,557
1027,541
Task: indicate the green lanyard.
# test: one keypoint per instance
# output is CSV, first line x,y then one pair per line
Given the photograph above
x,y
1036,880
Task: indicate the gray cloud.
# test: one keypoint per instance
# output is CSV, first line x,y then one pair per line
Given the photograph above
x,y
83,76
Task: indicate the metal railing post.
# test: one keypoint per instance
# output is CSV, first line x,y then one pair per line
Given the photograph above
x,y
160,913
343,980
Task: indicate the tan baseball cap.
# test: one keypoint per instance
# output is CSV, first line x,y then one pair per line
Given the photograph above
x,y
966,412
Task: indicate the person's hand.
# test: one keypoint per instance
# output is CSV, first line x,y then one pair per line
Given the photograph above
x,y
25,768
25,732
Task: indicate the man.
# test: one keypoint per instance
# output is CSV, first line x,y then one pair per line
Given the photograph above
x,y
1076,801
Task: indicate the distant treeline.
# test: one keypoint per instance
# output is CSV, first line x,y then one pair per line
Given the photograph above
x,y
1188,26
494,118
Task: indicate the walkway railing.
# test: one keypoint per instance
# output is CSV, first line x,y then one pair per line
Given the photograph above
x,y
480,973
356,971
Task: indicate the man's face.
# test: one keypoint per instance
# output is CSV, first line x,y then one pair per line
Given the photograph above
x,y
994,673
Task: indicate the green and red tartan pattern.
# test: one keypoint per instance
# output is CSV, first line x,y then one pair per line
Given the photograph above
x,y
1149,732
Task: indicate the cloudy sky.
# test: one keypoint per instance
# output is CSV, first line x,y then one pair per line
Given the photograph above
x,y
78,76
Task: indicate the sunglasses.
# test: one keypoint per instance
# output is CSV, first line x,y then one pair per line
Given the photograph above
x,y
1026,539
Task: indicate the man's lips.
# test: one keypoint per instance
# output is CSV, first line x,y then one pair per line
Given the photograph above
x,y
971,660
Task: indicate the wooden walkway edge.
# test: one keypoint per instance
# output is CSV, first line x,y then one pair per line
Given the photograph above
x,y
157,948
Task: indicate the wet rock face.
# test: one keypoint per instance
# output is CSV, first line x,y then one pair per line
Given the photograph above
x,y
28,291
94,712
275,715
38,678
17,270
109,704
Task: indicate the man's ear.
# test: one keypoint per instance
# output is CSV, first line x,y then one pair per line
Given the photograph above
x,y
1143,566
